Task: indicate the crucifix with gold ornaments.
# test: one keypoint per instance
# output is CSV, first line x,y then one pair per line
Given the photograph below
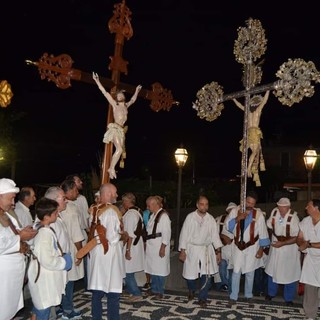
x,y
59,70
295,83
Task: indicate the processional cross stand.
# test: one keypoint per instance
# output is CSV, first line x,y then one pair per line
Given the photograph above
x,y
59,70
295,82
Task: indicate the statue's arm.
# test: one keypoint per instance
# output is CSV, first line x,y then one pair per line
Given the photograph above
x,y
134,97
264,100
102,89
238,104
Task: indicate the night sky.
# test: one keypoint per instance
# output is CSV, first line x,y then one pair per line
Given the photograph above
x,y
181,44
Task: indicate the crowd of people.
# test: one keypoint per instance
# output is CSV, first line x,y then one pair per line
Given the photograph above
x,y
107,244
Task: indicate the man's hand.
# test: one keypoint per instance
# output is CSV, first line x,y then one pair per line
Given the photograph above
x,y
27,233
182,255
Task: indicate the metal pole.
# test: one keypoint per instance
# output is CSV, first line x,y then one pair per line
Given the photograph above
x,y
176,244
309,184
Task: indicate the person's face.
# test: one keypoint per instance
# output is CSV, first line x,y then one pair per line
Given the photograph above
x,y
7,201
203,205
283,209
126,203
62,201
31,199
53,217
310,208
120,97
250,203
78,182
109,195
72,194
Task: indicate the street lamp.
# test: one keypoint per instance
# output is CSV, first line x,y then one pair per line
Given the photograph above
x,y
310,158
181,156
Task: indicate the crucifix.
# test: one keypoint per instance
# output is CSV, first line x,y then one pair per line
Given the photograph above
x,y
59,70
295,83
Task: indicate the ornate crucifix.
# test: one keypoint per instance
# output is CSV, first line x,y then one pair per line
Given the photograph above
x,y
59,70
295,82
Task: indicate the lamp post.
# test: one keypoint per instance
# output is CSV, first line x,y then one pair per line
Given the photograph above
x,y
310,158
181,156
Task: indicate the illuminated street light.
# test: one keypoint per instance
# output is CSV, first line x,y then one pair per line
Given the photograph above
x,y
181,156
310,157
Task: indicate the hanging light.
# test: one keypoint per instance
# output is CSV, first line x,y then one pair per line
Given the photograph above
x,y
181,156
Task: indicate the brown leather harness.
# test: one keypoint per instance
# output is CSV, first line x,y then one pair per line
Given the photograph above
x,y
139,228
154,233
288,224
244,245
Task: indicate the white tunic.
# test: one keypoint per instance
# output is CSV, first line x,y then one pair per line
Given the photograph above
x,y
226,249
310,273
130,221
245,261
199,236
154,264
82,205
283,264
70,217
106,271
12,267
50,286
62,234
23,214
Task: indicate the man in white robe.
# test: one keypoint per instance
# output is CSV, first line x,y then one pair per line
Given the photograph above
x,y
200,250
134,248
309,242
157,262
250,237
283,264
106,269
27,199
12,247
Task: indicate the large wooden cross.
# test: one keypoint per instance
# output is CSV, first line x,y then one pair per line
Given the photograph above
x,y
295,82
59,70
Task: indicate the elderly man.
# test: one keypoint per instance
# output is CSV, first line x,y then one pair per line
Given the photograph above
x,y
27,198
200,249
12,249
250,237
309,242
158,246
283,264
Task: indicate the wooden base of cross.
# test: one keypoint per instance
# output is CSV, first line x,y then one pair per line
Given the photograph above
x,y
59,70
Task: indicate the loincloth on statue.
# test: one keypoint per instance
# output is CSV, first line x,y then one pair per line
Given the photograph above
x,y
114,131
254,137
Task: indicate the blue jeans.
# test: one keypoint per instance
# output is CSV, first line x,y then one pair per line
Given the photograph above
x,y
43,314
223,271
131,284
67,298
235,285
289,289
113,305
260,283
205,285
157,284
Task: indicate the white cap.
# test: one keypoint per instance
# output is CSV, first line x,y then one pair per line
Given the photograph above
x,y
8,186
230,206
284,202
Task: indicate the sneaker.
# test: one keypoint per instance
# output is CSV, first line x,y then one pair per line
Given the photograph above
x,y
146,287
224,288
135,298
72,315
59,312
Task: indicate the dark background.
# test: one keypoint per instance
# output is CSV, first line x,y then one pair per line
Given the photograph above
x,y
181,44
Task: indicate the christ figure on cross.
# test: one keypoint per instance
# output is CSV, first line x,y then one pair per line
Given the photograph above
x,y
254,135
116,131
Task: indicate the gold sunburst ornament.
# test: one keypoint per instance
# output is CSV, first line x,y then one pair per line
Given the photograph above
x,y
5,94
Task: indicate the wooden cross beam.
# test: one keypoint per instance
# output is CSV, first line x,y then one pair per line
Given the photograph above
x,y
295,83
59,70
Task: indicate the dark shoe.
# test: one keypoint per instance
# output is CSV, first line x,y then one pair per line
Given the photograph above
x,y
159,296
268,298
72,315
248,299
59,312
289,303
150,294
203,304
146,287
190,295
232,302
224,288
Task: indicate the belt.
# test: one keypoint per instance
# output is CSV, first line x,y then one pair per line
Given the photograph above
x,y
153,235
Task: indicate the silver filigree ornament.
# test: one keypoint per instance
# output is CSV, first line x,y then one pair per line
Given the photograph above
x,y
208,103
251,42
295,82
